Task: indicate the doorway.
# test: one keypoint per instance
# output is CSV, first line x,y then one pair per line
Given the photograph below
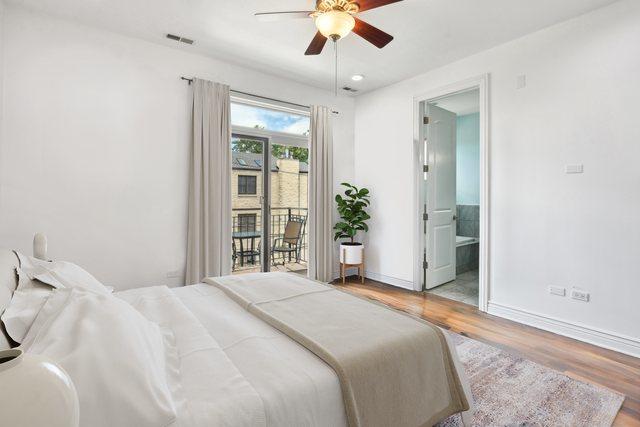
x,y
451,184
269,167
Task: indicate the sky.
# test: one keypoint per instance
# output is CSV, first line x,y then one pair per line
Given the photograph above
x,y
249,116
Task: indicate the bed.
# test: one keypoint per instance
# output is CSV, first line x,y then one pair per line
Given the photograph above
x,y
235,366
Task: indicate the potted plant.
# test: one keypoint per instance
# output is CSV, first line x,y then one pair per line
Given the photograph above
x,y
351,208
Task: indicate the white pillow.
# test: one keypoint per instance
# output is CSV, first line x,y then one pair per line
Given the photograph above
x,y
60,274
26,302
36,280
122,365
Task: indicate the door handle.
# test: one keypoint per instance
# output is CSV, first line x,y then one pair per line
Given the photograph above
x,y
454,218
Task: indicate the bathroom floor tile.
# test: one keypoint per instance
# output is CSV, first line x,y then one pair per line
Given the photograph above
x,y
468,276
464,288
471,286
471,301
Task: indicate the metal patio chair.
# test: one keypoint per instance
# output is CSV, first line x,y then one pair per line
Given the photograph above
x,y
291,243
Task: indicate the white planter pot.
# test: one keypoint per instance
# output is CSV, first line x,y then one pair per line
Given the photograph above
x,y
351,254
36,392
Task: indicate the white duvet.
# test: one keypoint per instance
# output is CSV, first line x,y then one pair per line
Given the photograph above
x,y
124,367
294,386
188,356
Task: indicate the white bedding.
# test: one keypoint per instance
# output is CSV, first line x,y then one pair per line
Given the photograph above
x,y
123,366
232,369
295,386
235,370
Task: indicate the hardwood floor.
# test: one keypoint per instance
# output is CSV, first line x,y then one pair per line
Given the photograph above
x,y
576,359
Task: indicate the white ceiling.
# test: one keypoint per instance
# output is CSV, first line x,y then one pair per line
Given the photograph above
x,y
461,103
428,33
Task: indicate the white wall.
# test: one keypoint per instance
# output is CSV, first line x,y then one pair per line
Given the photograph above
x,y
1,74
468,159
546,227
96,141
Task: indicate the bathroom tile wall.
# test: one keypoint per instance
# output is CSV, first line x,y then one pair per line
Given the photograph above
x,y
467,258
468,220
468,224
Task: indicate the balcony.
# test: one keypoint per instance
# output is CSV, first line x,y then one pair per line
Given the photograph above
x,y
287,243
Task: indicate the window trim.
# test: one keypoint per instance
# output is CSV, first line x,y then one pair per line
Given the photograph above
x,y
252,102
279,138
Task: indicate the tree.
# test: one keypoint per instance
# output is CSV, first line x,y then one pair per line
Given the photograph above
x,y
298,153
246,146
243,145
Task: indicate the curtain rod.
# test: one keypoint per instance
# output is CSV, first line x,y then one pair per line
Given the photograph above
x,y
259,96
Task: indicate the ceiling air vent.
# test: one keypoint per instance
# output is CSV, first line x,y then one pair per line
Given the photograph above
x,y
350,89
179,39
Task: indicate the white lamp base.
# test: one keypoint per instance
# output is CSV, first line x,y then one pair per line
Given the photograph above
x,y
36,392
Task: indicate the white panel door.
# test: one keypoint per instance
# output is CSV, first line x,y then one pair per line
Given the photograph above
x,y
441,196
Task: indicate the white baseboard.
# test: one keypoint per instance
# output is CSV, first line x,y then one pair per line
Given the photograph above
x,y
393,281
616,342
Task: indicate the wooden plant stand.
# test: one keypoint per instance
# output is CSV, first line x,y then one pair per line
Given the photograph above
x,y
360,266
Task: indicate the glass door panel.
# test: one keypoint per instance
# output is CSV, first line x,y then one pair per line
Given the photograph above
x,y
289,207
249,192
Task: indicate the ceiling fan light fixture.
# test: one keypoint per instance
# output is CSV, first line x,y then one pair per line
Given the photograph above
x,y
335,24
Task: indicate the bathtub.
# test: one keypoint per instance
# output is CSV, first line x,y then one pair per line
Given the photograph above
x,y
464,241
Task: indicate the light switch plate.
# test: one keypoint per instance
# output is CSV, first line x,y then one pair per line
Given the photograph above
x,y
521,82
574,168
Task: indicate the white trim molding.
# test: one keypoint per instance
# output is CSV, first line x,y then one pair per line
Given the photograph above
x,y
387,280
394,281
281,138
481,83
605,339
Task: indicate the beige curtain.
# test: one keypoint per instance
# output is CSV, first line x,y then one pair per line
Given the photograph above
x,y
209,232
321,195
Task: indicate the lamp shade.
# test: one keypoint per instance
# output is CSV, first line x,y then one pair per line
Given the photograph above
x,y
36,392
335,24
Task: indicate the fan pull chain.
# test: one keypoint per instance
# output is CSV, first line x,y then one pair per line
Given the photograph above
x,y
335,86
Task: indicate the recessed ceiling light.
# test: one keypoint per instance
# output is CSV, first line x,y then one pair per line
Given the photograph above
x,y
357,77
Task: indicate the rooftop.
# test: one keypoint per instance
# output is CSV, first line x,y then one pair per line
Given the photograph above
x,y
253,161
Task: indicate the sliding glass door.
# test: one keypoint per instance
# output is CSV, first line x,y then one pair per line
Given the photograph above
x,y
269,189
289,207
249,191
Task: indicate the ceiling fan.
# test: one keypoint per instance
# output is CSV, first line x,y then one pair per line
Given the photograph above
x,y
335,19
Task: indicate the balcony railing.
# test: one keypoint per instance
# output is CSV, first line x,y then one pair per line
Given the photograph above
x,y
247,241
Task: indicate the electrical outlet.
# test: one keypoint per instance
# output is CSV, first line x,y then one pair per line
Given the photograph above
x,y
556,290
521,81
571,169
175,274
579,295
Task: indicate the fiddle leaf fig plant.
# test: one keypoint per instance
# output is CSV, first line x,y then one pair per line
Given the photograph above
x,y
351,208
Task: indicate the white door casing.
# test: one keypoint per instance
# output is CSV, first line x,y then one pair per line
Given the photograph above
x,y
440,196
481,82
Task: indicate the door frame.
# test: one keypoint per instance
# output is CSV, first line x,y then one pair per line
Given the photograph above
x,y
268,138
265,206
481,83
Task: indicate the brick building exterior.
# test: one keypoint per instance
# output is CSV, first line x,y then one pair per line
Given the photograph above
x,y
289,180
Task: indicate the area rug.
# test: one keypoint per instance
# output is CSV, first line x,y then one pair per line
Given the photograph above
x,y
513,391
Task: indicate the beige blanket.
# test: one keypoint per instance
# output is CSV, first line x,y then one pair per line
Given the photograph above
x,y
394,369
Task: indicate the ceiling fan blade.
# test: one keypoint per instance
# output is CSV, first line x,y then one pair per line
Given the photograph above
x,y
371,34
280,16
372,4
317,44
